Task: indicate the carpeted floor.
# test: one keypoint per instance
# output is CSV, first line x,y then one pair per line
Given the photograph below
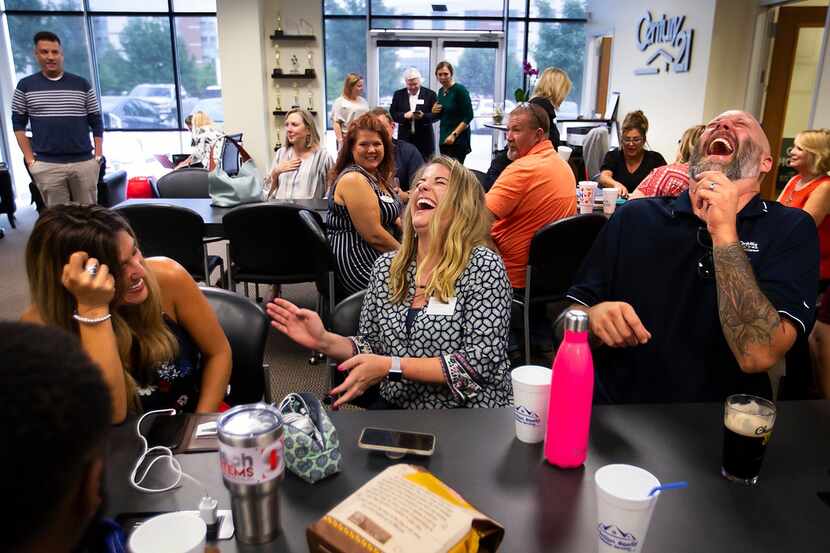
x,y
289,370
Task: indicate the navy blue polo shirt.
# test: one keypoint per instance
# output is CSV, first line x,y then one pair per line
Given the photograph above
x,y
647,255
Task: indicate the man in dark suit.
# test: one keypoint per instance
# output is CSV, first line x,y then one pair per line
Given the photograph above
x,y
412,111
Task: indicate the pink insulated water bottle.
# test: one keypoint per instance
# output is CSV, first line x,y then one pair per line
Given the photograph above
x,y
571,392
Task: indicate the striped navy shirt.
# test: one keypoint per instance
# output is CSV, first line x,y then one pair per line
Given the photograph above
x,y
61,112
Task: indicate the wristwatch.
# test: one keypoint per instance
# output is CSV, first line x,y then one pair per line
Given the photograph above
x,y
395,373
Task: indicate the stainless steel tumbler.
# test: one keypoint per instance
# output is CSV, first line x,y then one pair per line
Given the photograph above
x,y
251,447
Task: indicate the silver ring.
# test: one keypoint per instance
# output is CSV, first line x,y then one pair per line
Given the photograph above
x,y
92,269
712,185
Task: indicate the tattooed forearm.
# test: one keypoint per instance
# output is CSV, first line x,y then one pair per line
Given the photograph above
x,y
746,315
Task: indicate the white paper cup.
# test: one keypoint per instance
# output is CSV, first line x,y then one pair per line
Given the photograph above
x,y
623,507
586,191
565,152
531,392
609,200
177,532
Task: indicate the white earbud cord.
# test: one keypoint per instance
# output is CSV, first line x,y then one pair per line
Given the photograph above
x,y
164,453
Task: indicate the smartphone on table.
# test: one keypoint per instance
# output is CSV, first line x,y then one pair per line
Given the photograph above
x,y
397,442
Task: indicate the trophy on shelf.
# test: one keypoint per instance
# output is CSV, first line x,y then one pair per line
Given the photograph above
x,y
279,23
277,68
279,99
310,99
296,103
295,62
278,144
310,57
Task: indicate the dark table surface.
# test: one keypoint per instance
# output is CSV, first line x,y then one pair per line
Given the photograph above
x,y
545,509
212,216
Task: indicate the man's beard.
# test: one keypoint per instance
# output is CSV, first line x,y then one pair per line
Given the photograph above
x,y
744,164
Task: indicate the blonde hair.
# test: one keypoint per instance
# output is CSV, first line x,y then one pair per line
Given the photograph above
x,y
817,143
349,83
143,340
553,84
313,138
460,223
201,119
688,142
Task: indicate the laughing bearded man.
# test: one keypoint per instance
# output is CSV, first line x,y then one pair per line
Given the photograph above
x,y
697,297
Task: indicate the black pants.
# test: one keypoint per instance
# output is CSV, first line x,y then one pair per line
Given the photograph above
x,y
455,151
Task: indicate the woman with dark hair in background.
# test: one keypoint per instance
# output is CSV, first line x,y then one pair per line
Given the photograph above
x,y
363,207
143,321
673,179
455,110
300,168
348,106
625,167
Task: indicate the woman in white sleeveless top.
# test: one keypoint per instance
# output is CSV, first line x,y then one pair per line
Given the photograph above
x,y
349,106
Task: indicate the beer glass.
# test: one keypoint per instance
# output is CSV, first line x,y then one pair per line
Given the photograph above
x,y
748,423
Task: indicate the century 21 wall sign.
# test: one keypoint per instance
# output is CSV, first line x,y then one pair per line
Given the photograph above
x,y
668,31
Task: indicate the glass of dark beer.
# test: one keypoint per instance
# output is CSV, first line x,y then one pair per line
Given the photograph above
x,y
748,422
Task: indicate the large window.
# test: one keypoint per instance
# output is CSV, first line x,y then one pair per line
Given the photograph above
x,y
545,33
70,29
345,52
153,63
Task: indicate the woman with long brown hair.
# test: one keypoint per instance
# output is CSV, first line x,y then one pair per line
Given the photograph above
x,y
143,321
434,323
363,206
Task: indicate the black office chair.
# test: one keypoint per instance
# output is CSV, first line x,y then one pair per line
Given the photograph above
x,y
246,326
345,318
112,189
189,182
480,175
279,244
323,260
174,232
556,253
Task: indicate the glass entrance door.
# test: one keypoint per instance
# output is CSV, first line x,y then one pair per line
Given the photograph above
x,y
396,56
478,66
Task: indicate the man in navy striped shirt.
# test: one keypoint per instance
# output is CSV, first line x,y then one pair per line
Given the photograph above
x,y
62,109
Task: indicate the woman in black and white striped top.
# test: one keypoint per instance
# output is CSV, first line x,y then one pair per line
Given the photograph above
x,y
363,208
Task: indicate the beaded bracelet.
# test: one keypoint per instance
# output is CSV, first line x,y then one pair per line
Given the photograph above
x,y
89,320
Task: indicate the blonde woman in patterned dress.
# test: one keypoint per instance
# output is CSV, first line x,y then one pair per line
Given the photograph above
x,y
434,323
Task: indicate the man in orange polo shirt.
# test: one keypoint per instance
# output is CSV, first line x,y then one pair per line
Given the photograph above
x,y
534,190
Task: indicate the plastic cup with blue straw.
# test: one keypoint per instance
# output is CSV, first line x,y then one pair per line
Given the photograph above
x,y
626,496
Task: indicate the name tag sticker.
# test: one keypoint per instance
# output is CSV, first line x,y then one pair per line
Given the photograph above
x,y
387,199
436,307
420,101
